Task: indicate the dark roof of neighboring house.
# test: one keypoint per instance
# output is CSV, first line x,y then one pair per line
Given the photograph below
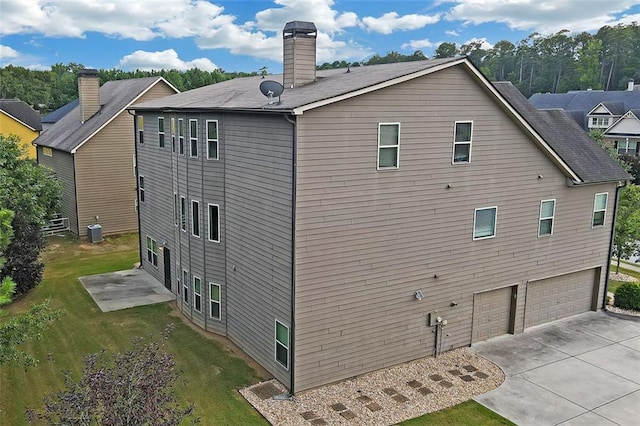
x,y
68,133
586,100
56,115
19,110
590,162
615,108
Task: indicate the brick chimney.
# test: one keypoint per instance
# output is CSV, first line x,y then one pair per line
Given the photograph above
x,y
89,91
299,39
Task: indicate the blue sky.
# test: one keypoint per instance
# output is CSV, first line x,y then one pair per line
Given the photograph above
x,y
245,35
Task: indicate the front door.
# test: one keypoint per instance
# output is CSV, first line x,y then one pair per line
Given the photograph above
x,y
167,268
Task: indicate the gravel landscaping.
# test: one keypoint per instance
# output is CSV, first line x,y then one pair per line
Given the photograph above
x,y
615,309
383,397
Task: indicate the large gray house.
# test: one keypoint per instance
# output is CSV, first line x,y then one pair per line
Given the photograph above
x,y
370,216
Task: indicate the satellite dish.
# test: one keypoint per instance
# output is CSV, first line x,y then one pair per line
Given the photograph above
x,y
270,89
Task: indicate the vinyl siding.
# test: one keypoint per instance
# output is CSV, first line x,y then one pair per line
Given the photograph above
x,y
9,126
366,240
300,61
62,165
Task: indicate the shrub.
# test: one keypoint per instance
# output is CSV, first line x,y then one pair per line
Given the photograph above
x,y
627,296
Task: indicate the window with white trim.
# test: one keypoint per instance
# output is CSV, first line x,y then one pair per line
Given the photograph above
x,y
195,218
152,251
47,151
484,223
214,222
547,214
214,301
173,134
141,187
193,138
599,209
600,122
140,129
175,208
626,147
212,139
161,132
185,286
388,145
180,136
462,135
197,294
282,344
183,214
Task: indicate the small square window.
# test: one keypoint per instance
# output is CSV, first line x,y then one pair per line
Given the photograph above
x,y
599,209
462,142
282,344
547,214
484,223
47,151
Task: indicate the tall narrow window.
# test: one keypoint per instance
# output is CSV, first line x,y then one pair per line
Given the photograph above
x,y
135,165
183,213
599,209
161,132
282,344
152,251
195,218
214,300
193,138
214,223
388,145
180,136
547,213
197,294
173,134
185,286
140,129
141,187
484,223
176,208
463,131
212,139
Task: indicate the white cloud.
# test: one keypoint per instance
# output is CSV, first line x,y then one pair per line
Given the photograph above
x,y
452,33
7,52
542,16
166,59
320,12
391,21
418,44
484,44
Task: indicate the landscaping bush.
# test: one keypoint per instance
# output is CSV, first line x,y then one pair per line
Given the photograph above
x,y
627,296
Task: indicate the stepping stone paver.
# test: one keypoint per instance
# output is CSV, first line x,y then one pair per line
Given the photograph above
x,y
470,368
319,421
364,399
446,384
309,415
467,378
481,375
436,377
374,406
348,414
425,391
266,390
390,391
455,372
400,398
414,384
338,407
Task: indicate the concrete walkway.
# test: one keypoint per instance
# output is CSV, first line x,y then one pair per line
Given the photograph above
x,y
629,266
125,289
584,370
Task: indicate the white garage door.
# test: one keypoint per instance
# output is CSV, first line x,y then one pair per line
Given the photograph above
x,y
559,297
491,313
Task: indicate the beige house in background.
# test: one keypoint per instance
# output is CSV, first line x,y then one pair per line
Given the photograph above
x,y
91,149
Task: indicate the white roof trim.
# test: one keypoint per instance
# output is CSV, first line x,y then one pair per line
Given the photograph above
x,y
18,120
597,106
628,114
73,151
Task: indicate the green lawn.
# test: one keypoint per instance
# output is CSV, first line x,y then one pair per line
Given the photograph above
x,y
213,372
613,284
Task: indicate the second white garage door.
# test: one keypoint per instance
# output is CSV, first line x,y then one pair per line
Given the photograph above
x,y
559,297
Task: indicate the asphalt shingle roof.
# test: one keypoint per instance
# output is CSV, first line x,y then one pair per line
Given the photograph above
x,y
69,132
21,111
569,141
56,115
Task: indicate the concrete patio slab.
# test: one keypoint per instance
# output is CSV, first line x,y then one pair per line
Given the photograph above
x,y
632,343
603,325
125,289
616,359
524,403
624,411
588,419
568,339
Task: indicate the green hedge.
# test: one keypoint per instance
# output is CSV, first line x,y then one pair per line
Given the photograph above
x,y
627,296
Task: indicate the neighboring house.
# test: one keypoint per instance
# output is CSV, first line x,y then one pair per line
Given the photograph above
x,y
52,118
18,118
91,147
373,216
616,113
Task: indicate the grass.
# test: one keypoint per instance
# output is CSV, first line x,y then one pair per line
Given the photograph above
x,y
213,372
613,284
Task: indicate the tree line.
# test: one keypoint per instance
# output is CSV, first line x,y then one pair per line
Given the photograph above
x,y
554,63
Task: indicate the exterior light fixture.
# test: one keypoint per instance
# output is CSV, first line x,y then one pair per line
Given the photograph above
x,y
419,295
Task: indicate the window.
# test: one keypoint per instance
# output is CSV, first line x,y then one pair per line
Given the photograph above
x,y
462,142
547,212
161,132
197,294
193,138
214,300
180,136
173,134
140,129
183,214
178,281
484,223
212,139
141,187
185,286
135,165
214,223
175,208
195,218
599,209
388,145
152,251
627,147
282,344
599,122
47,151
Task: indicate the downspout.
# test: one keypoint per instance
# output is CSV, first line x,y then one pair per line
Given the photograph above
x,y
611,239
135,152
293,248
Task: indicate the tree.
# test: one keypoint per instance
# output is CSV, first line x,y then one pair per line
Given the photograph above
x,y
7,285
131,388
33,194
627,232
446,50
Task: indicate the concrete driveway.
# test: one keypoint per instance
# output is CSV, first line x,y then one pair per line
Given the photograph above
x,y
584,370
